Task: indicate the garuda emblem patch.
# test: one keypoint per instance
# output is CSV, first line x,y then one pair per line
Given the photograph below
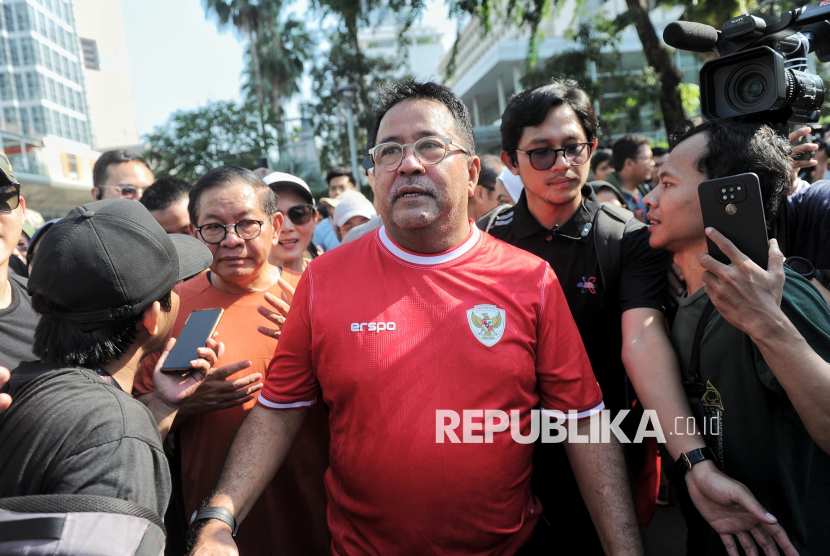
x,y
487,323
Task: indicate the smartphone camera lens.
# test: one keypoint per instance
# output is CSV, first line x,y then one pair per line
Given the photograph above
x,y
723,190
731,196
724,197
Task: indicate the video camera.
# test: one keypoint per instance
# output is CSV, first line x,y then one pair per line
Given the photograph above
x,y
762,73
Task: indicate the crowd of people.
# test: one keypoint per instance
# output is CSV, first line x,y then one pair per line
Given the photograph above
x,y
561,276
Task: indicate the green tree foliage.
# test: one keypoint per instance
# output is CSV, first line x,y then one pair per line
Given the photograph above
x,y
596,44
193,142
344,63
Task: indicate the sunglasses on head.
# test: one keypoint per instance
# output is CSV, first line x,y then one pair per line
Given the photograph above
x,y
301,214
9,197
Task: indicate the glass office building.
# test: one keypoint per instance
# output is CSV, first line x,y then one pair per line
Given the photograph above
x,y
41,83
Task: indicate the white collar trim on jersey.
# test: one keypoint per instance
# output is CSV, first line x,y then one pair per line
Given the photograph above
x,y
430,260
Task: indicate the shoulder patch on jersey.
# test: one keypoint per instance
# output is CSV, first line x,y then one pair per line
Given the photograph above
x,y
487,322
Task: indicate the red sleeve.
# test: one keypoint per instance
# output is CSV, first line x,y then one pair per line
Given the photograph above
x,y
564,376
290,380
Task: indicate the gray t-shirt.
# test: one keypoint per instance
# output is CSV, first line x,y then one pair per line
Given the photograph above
x,y
68,431
17,326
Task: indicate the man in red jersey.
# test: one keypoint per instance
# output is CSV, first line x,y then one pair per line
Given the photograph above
x,y
454,321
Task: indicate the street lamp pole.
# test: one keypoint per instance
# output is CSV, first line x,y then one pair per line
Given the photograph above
x,y
347,91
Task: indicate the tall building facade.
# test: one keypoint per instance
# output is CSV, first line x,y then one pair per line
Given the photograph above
x,y
63,95
100,28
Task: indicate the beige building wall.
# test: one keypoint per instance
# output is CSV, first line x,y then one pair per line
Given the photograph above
x,y
108,89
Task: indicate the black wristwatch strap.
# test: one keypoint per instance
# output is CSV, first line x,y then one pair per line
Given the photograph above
x,y
688,460
212,512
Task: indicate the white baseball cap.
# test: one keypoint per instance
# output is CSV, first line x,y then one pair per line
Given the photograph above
x,y
352,203
281,179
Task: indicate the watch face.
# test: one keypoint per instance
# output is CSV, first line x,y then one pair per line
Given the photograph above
x,y
802,266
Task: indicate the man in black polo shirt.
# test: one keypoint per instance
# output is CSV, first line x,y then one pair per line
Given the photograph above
x,y
548,134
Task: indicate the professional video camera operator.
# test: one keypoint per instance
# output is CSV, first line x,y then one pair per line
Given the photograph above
x,y
761,344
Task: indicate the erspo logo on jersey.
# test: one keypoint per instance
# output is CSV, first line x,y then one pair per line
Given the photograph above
x,y
376,327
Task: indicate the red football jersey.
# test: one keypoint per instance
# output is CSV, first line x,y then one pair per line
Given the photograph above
x,y
388,337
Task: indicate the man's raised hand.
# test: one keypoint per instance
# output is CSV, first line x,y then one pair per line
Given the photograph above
x,y
744,294
279,313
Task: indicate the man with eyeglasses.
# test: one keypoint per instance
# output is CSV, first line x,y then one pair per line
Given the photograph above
x,y
386,355
236,215
614,283
120,174
17,318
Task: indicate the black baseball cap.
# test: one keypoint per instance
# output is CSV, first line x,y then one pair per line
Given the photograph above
x,y
109,260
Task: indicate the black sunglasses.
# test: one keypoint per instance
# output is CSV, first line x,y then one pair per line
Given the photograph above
x,y
9,197
301,214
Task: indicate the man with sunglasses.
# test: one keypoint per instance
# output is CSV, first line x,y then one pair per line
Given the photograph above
x,y
17,318
120,174
548,134
236,215
386,355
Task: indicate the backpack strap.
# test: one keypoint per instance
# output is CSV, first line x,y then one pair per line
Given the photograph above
x,y
486,222
610,225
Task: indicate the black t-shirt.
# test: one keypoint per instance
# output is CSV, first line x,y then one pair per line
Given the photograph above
x,y
598,316
809,224
17,326
68,431
573,257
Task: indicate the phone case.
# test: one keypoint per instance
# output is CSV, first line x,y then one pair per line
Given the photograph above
x,y
193,335
734,207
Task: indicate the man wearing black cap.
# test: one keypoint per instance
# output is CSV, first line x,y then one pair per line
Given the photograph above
x,y
103,288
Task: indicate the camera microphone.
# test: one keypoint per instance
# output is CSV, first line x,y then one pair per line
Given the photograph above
x,y
687,35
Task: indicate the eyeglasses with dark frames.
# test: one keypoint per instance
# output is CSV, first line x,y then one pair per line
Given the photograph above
x,y
429,150
301,214
214,232
9,197
544,158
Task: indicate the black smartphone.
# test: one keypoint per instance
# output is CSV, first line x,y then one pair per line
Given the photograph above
x,y
734,207
198,328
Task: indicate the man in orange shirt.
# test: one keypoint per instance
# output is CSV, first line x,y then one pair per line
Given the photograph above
x,y
235,214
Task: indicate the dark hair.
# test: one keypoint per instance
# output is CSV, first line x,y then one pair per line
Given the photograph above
x,y
600,156
164,192
224,176
107,159
739,147
337,172
491,167
408,89
531,107
659,151
628,146
63,342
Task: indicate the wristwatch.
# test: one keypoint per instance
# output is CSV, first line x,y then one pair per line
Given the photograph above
x,y
688,460
802,266
212,512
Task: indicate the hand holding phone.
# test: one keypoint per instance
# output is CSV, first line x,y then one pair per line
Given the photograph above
x,y
200,326
734,207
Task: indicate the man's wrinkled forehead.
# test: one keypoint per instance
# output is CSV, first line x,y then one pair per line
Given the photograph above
x,y
417,118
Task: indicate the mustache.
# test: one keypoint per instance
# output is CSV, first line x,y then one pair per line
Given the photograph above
x,y
415,181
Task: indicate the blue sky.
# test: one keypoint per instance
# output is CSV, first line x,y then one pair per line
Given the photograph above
x,y
180,61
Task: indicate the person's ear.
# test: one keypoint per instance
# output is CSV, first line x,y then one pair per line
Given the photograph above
x,y
191,230
510,162
96,194
277,220
474,170
151,318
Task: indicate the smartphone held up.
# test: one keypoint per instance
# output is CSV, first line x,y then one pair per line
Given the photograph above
x,y
197,330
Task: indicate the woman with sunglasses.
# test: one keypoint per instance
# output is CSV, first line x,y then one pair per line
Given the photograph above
x,y
294,248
